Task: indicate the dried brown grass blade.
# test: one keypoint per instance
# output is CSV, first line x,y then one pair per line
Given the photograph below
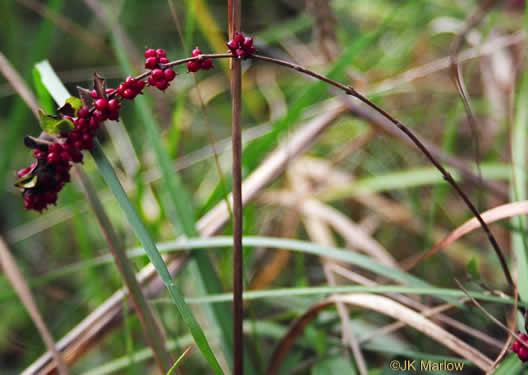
x,y
15,277
490,216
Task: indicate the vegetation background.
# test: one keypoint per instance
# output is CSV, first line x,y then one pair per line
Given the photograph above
x,y
359,187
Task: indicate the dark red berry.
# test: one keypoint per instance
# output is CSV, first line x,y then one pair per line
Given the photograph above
x,y
515,347
163,60
150,53
151,63
161,53
162,84
94,123
55,147
169,74
40,154
101,104
53,158
206,64
129,94
94,94
248,43
78,144
240,53
130,82
193,66
140,85
75,135
77,156
83,112
113,105
157,74
114,116
121,88
196,52
239,38
523,354
232,45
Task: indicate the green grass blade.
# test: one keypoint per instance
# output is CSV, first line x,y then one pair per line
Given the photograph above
x,y
152,252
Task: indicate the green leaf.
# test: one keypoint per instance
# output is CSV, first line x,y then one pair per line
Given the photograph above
x,y
337,365
27,182
472,268
54,125
510,366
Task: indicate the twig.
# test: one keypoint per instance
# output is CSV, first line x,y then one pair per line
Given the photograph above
x,y
235,19
447,176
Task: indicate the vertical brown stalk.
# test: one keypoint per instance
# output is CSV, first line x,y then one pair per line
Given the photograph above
x,y
234,16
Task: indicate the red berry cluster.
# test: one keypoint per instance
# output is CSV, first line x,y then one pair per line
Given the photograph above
x,y
159,76
521,350
195,65
130,88
241,46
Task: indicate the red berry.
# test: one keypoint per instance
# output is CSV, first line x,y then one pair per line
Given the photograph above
x,y
196,52
76,156
163,60
82,123
193,66
129,94
114,116
74,135
55,147
161,53
157,74
162,84
40,154
523,354
113,105
140,85
94,94
53,158
101,104
232,45
151,63
515,347
150,53
94,123
239,38
78,144
83,112
240,53
523,337
169,74
130,82
121,88
65,156
206,64
61,168
248,43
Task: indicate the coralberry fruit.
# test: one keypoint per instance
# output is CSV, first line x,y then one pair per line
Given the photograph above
x,y
195,65
241,46
521,350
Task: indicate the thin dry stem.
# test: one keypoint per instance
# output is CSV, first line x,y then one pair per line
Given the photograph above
x,y
235,19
